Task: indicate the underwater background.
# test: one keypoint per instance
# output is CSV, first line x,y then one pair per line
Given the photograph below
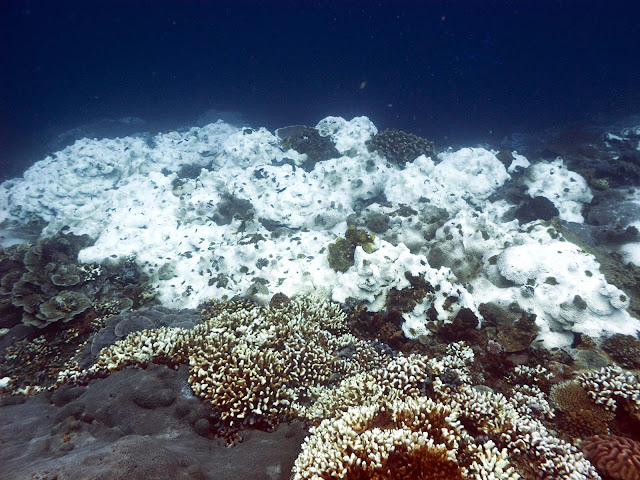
x,y
456,72
291,240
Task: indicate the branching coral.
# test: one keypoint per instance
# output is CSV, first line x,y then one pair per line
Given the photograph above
x,y
374,418
255,365
402,439
372,415
611,386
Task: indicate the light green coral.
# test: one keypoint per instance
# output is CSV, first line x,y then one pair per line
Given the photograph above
x,y
341,252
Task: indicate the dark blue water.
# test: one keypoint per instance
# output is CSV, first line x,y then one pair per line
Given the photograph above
x,y
454,72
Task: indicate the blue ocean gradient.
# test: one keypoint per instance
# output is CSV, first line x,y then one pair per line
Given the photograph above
x,y
454,72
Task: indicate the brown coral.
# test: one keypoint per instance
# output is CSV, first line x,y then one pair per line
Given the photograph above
x,y
624,349
400,147
580,415
615,458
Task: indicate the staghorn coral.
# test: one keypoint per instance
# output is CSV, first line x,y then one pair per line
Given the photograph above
x,y
615,458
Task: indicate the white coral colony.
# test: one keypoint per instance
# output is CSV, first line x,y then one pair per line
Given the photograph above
x,y
129,195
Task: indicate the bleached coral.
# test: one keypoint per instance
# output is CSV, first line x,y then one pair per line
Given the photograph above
x,y
611,385
374,274
350,136
372,413
219,211
525,373
564,287
466,177
374,427
566,189
402,439
251,363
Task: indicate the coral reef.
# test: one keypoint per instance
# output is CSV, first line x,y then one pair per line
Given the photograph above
x,y
400,147
253,364
223,213
615,458
50,305
373,414
380,424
